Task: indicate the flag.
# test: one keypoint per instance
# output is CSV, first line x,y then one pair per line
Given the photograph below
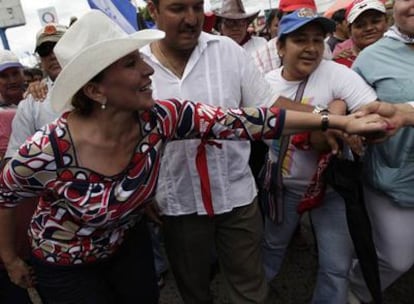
x,y
121,12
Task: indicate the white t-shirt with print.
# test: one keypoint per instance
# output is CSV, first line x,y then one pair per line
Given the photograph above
x,y
328,82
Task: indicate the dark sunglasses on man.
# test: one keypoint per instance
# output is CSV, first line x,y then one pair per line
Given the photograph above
x,y
45,49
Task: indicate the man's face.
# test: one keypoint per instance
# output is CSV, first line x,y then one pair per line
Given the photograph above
x,y
236,29
12,85
48,59
181,20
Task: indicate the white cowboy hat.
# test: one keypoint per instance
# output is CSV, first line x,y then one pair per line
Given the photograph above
x,y
89,46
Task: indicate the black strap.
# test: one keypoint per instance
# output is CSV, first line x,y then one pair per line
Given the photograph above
x,y
56,151
284,144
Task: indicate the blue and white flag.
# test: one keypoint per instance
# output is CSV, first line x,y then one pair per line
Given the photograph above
x,y
120,11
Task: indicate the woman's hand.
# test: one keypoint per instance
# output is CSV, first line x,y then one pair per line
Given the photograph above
x,y
371,126
20,273
330,141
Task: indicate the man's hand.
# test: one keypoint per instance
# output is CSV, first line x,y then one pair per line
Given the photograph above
x,y
38,89
346,53
396,115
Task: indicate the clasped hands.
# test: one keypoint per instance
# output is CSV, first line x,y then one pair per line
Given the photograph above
x,y
374,123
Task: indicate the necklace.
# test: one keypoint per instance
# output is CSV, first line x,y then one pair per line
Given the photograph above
x,y
165,61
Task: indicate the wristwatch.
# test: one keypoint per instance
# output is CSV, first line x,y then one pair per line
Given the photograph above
x,y
324,112
324,121
319,109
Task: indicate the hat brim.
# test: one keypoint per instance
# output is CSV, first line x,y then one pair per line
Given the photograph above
x,y
54,38
9,65
238,16
327,25
91,61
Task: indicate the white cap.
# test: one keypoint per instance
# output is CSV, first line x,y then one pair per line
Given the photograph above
x,y
357,7
8,60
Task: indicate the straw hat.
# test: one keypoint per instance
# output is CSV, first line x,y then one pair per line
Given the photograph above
x,y
234,9
89,46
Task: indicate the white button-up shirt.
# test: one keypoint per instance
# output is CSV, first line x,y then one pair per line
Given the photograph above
x,y
221,73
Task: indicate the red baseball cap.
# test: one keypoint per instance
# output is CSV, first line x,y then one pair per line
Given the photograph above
x,y
293,5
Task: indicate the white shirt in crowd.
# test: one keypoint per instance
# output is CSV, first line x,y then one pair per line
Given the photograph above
x,y
221,73
254,43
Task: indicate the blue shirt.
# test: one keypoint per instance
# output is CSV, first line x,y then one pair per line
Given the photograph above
x,y
388,66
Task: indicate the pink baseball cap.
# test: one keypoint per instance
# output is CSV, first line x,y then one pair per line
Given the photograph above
x,y
357,7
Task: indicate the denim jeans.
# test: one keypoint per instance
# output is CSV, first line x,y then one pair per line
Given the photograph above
x,y
160,260
335,249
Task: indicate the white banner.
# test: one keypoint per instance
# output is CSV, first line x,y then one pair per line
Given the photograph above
x,y
47,15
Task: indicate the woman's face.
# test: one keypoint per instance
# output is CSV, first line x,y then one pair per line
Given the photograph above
x,y
127,85
302,51
274,27
369,27
404,16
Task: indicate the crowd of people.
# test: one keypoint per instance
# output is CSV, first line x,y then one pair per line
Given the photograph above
x,y
216,141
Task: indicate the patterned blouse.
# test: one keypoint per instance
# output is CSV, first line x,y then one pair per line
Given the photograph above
x,y
82,216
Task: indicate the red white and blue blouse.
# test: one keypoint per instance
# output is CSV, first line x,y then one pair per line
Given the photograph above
x,y
82,216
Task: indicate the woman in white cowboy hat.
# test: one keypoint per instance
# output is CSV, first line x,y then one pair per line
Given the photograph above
x,y
96,166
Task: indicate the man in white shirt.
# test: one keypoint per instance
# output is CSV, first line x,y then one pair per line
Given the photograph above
x,y
207,199
11,79
31,115
12,89
233,22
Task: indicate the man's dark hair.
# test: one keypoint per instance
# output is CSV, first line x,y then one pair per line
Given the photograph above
x,y
339,15
38,72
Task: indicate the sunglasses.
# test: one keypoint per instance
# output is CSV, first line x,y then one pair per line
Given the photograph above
x,y
45,49
234,22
